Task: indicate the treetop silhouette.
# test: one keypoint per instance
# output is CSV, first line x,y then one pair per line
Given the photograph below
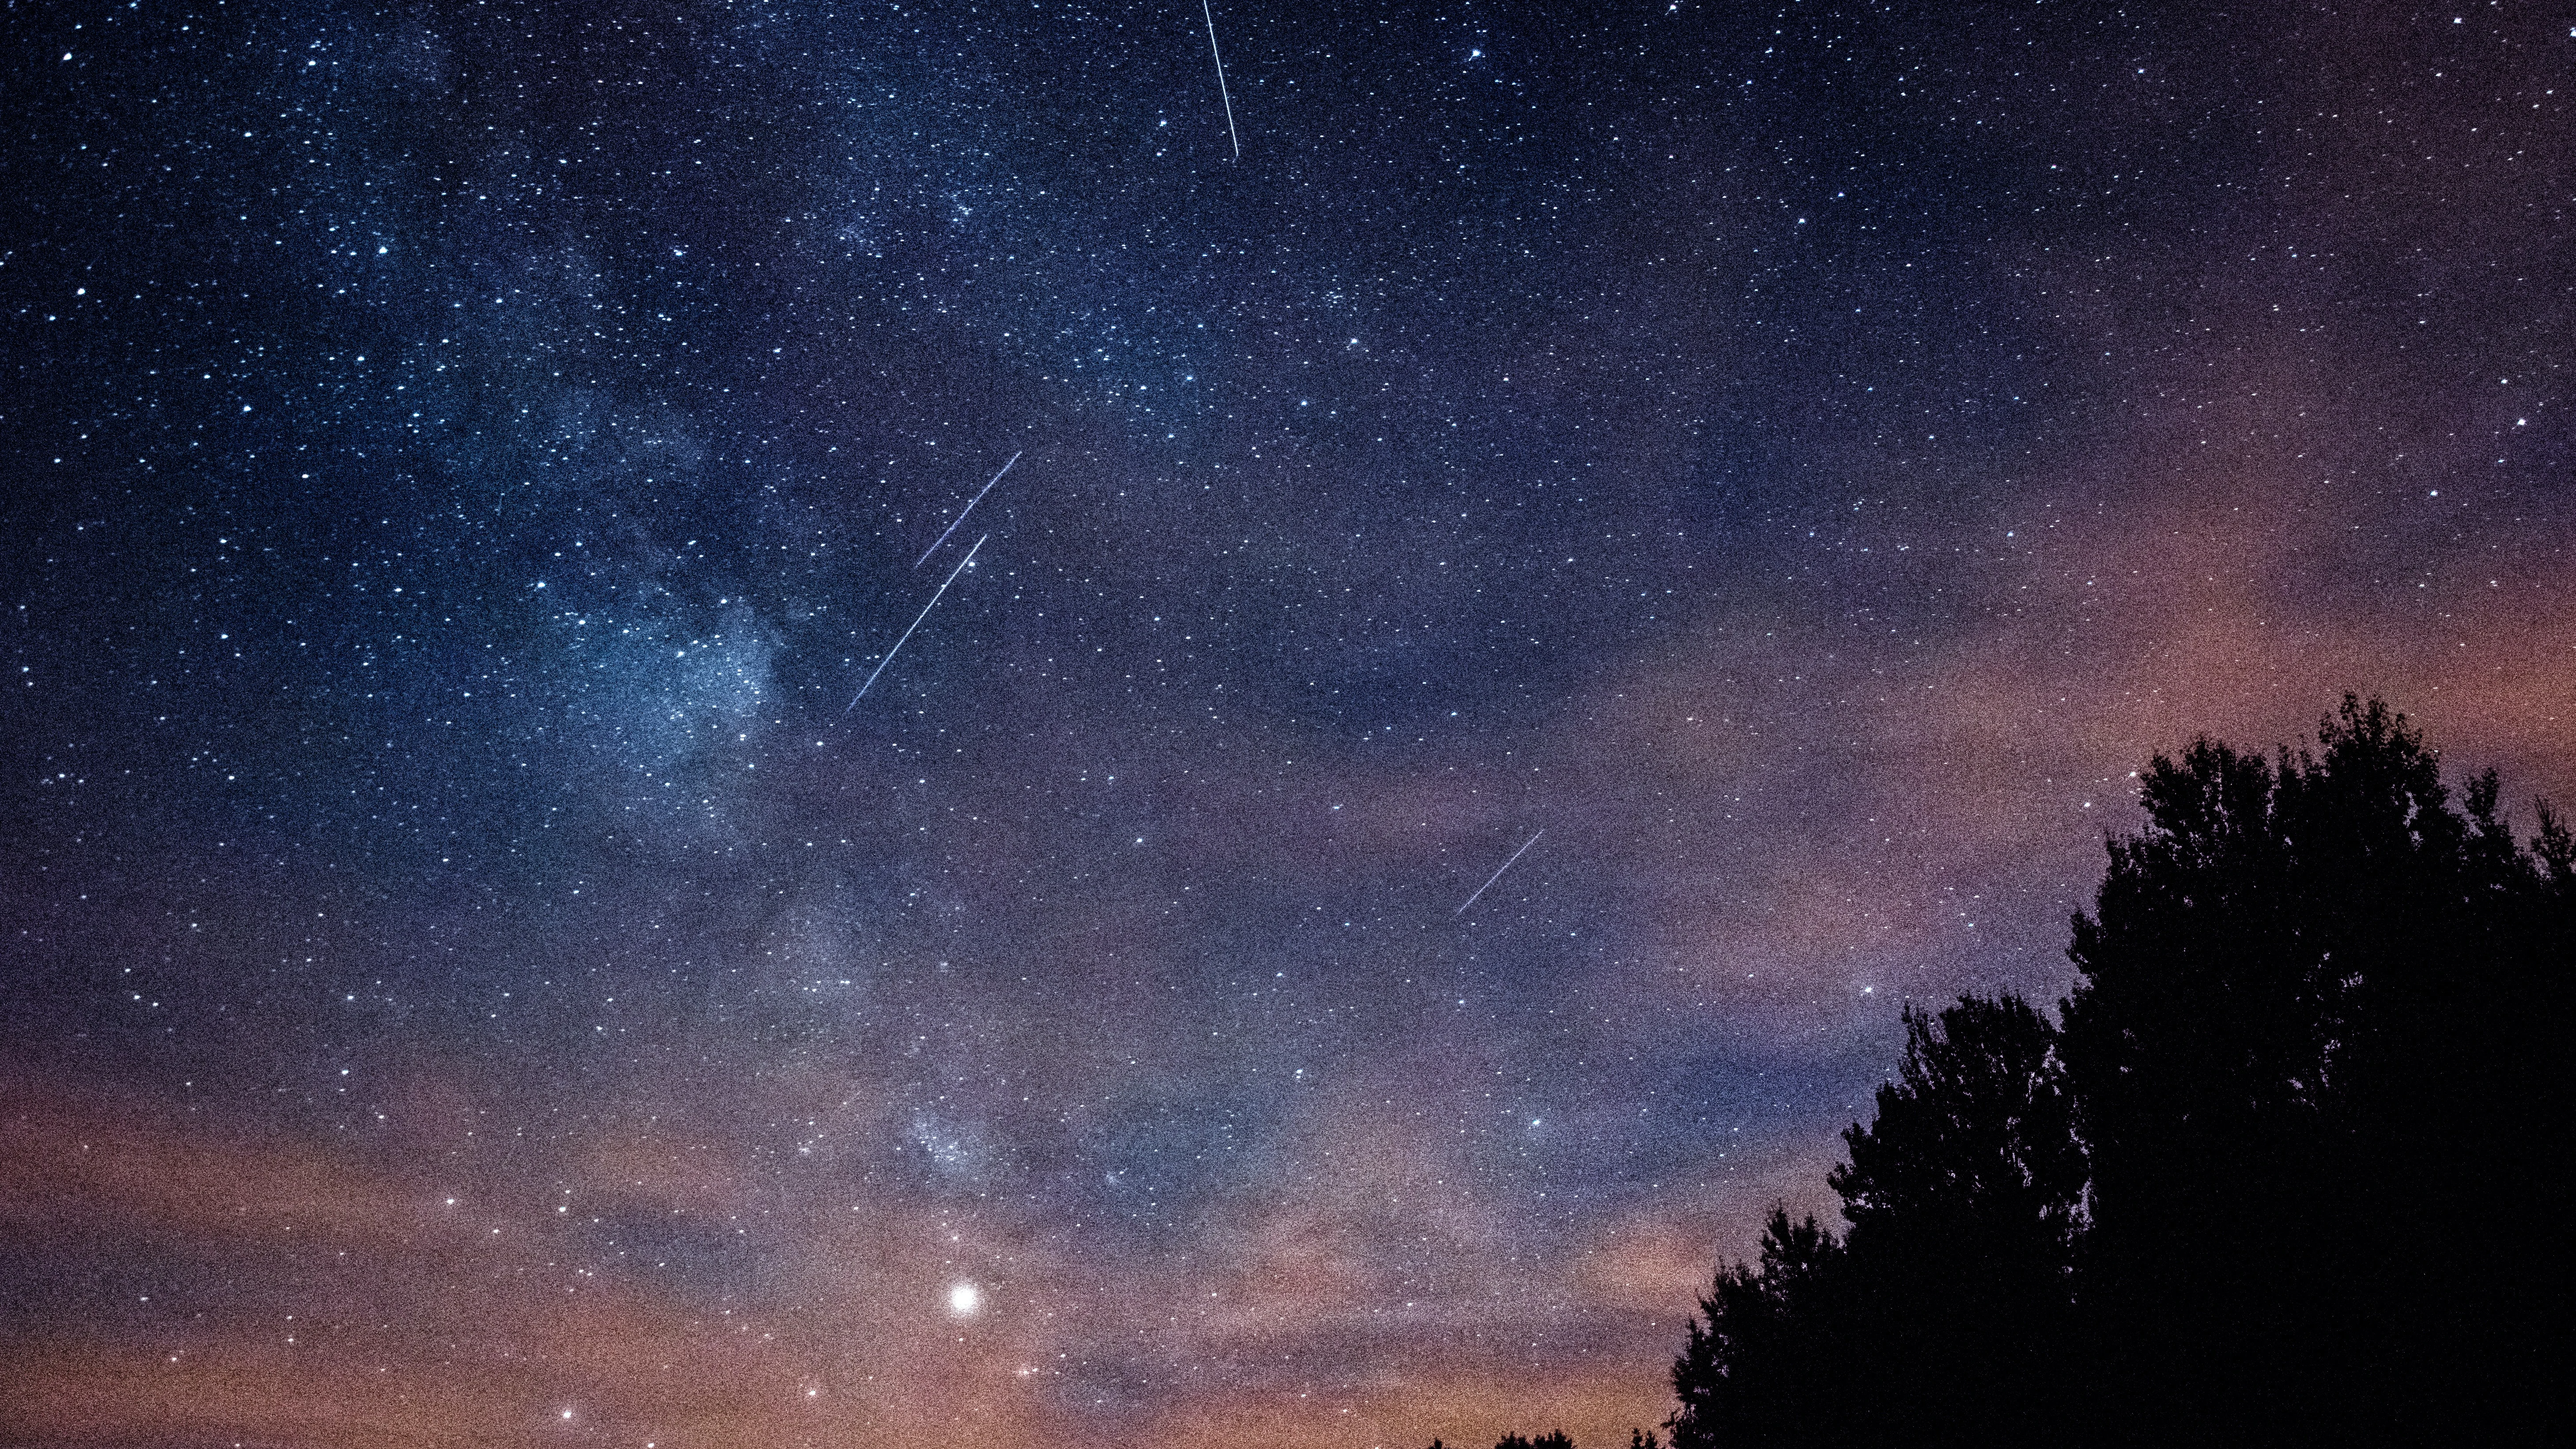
x,y
2241,1195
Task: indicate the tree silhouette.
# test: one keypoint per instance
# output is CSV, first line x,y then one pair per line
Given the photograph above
x,y
1766,1360
1965,1197
2303,1052
2248,1195
1945,1311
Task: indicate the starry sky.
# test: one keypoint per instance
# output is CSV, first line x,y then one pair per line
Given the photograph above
x,y
478,970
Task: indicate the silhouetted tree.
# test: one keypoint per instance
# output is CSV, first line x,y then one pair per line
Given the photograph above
x,y
2305,1056
2249,1193
1554,1439
1944,1313
1767,1361
1975,1136
1965,1197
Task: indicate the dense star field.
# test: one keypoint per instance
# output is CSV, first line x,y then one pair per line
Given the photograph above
x,y
479,970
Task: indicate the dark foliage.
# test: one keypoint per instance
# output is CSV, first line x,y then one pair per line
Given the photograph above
x,y
2310,1045
2272,1183
1965,1198
1771,1360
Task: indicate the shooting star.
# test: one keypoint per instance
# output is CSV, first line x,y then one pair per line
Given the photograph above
x,y
1220,80
1497,875
916,623
962,512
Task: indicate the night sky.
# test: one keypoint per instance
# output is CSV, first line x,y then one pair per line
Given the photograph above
x,y
474,974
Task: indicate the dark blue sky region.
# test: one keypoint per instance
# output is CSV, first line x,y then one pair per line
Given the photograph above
x,y
475,975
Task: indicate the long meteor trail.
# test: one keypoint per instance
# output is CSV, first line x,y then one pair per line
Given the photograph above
x,y
1497,875
962,512
1220,80
916,623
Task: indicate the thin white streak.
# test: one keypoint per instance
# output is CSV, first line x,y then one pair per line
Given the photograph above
x,y
962,512
1220,80
916,623
1497,875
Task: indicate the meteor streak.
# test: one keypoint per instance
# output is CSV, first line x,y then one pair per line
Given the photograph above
x,y
1220,80
924,614
1497,875
962,512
